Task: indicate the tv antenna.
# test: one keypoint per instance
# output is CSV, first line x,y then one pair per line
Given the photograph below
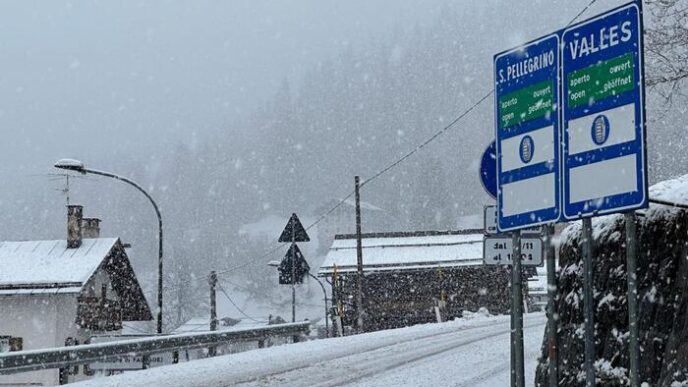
x,y
65,189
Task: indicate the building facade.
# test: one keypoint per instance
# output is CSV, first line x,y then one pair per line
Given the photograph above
x,y
55,293
414,277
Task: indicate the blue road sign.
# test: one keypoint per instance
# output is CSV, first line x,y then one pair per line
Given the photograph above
x,y
527,134
488,170
604,158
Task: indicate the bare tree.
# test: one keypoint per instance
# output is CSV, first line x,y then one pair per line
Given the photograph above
x,y
666,47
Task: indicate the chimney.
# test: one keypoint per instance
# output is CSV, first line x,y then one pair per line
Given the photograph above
x,y
90,228
74,215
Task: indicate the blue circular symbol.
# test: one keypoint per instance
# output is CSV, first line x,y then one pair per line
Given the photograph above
x,y
526,149
488,169
600,129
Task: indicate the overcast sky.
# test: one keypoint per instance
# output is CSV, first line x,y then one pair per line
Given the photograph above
x,y
100,79
86,77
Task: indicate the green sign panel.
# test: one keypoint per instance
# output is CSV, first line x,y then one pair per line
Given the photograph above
x,y
526,104
602,80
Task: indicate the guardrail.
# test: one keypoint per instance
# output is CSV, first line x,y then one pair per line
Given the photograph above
x,y
49,358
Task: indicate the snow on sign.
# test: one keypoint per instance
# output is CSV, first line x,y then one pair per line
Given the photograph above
x,y
498,251
527,134
604,160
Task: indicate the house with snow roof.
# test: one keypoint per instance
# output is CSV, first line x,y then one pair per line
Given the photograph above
x,y
411,277
61,292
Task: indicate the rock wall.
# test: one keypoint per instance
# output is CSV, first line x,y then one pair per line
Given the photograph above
x,y
663,298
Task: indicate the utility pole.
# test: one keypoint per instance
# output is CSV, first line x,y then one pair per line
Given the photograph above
x,y
213,308
359,258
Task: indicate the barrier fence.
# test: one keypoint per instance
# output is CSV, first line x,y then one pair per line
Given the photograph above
x,y
64,357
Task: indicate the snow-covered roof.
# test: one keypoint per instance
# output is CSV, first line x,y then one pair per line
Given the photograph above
x,y
29,265
406,251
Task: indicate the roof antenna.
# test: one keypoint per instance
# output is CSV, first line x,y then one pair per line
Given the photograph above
x,y
65,190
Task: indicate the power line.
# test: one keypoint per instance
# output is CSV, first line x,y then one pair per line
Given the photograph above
x,y
384,170
581,12
235,305
429,140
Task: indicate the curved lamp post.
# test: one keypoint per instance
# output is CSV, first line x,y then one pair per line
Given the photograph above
x,y
78,166
327,323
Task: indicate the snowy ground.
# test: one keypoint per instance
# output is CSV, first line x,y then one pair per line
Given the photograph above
x,y
466,352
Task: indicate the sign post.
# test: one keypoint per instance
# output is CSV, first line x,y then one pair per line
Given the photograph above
x,y
604,139
632,298
517,312
527,134
294,232
552,319
588,80
527,154
588,303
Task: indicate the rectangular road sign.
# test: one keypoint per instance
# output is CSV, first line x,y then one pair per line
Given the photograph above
x,y
490,223
527,134
604,159
498,251
490,220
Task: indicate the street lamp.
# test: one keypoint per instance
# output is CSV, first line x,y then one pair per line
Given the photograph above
x,y
78,166
327,323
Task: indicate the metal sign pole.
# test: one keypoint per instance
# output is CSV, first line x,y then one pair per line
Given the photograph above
x,y
588,303
552,314
512,341
632,297
293,270
517,309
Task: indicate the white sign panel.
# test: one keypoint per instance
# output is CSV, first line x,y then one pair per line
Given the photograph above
x,y
498,251
490,223
490,220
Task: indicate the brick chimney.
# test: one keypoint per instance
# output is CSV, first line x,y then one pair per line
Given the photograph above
x,y
74,217
90,228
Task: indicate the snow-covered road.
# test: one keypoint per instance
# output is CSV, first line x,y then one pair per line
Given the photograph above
x,y
466,352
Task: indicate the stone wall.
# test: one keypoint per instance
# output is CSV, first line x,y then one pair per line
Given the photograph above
x,y
663,301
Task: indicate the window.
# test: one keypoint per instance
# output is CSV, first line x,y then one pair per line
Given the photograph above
x,y
4,344
11,344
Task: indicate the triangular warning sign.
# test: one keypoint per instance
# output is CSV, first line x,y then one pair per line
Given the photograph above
x,y
301,269
294,231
